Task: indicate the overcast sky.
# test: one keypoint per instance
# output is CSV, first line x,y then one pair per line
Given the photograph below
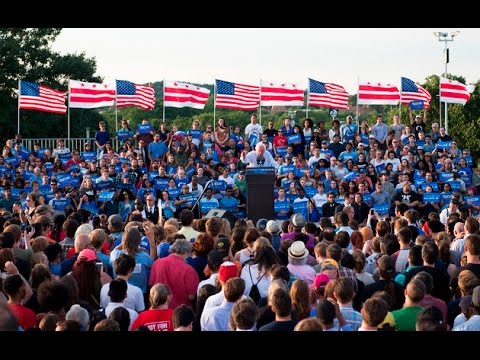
x,y
283,55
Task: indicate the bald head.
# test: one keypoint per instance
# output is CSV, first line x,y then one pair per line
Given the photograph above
x,y
81,242
459,229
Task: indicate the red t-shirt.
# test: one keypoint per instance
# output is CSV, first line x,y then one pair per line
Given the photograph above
x,y
155,320
26,317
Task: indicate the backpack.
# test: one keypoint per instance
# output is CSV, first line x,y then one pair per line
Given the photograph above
x,y
254,292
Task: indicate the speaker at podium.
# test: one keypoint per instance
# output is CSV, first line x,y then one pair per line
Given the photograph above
x,y
221,213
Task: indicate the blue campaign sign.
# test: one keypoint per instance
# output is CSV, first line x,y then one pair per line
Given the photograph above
x,y
105,195
123,135
206,206
16,193
291,197
144,129
65,156
433,184
63,180
416,104
367,198
10,160
455,185
191,198
420,142
124,160
380,168
219,185
73,168
469,160
294,138
444,144
300,207
253,139
286,169
90,207
196,134
41,153
59,205
27,174
173,192
281,151
444,176
310,191
286,184
446,198
281,206
190,172
3,169
125,213
160,184
431,197
417,175
88,155
472,200
381,209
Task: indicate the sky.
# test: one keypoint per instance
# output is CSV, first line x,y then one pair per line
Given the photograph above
x,y
293,55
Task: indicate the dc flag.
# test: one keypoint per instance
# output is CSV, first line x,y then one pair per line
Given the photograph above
x,y
178,94
378,94
454,92
283,94
86,95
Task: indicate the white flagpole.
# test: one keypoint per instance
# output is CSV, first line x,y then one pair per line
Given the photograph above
x,y
439,101
163,119
214,102
308,98
18,112
68,116
260,103
356,107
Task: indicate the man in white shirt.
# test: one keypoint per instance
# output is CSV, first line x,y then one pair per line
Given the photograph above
x,y
259,157
253,128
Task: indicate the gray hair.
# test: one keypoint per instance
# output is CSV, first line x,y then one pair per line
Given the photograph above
x,y
80,315
260,145
181,247
159,295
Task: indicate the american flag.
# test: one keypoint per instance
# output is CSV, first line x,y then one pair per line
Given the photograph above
x,y
34,96
414,92
272,94
236,96
130,94
86,95
178,94
378,94
326,95
454,92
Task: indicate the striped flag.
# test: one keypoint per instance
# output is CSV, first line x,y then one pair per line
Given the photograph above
x,y
178,94
378,94
130,94
86,95
454,92
272,94
414,92
34,96
326,95
236,96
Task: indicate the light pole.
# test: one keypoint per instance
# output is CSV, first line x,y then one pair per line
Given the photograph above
x,y
445,37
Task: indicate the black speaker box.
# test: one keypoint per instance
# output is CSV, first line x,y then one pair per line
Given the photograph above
x,y
224,214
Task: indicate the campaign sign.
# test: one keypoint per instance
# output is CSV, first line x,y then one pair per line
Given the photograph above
x,y
59,205
73,168
367,198
253,139
416,104
88,155
294,138
206,206
381,209
123,135
16,193
431,197
160,184
301,207
173,192
90,207
286,169
219,185
281,151
455,185
281,206
63,180
444,144
105,195
446,198
144,129
125,213
310,191
444,176
472,200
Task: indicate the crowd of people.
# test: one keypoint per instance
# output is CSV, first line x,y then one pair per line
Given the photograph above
x,y
374,228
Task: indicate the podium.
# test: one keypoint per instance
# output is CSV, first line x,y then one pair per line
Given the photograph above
x,y
260,183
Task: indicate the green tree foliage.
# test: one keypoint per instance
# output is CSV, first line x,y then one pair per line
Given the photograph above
x,y
25,54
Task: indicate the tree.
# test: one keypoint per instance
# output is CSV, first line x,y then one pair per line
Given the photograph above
x,y
26,54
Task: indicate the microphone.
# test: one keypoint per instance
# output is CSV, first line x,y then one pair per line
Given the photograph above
x,y
260,160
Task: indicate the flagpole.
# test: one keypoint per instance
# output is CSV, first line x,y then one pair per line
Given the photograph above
x,y
439,101
68,116
163,111
400,104
214,101
18,112
116,116
260,103
356,106
308,98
